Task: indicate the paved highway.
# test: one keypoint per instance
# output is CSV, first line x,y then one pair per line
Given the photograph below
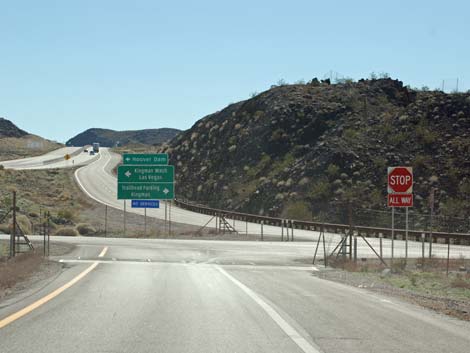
x,y
181,296
53,159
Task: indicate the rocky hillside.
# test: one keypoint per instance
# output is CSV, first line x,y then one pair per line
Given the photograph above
x,y
111,138
307,150
17,143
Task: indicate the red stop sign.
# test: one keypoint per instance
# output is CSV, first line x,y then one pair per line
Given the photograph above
x,y
400,180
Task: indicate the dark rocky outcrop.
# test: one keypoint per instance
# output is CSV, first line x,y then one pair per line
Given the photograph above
x,y
8,129
299,150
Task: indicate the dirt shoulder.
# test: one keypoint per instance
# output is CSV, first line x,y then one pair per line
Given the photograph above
x,y
28,269
430,288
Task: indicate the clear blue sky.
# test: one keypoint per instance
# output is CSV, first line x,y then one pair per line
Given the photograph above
x,y
66,66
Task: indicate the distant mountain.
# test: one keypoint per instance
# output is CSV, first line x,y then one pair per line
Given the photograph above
x,y
17,143
111,138
8,129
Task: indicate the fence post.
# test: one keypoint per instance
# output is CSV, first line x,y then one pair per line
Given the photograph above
x,y
380,245
44,244
355,247
448,256
48,233
423,235
282,230
105,221
145,221
292,230
13,229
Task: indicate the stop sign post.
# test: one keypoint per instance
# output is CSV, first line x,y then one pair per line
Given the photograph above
x,y
400,194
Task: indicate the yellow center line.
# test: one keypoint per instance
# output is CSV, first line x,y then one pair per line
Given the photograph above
x,y
103,252
13,317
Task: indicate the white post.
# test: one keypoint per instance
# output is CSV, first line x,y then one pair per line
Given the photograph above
x,y
406,235
393,232
124,217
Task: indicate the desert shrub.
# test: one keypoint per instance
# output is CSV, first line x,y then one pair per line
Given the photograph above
x,y
277,135
425,135
66,214
4,228
397,138
85,229
320,190
67,232
461,282
350,135
298,210
379,163
332,170
421,162
24,223
263,163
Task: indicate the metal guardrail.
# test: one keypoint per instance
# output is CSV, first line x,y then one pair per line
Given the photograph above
x,y
456,238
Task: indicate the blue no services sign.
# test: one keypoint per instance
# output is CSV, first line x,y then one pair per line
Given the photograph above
x,y
145,203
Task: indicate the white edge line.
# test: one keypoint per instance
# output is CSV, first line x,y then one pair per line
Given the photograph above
x,y
86,191
293,334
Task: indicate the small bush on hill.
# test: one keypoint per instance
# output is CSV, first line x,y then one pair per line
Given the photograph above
x,y
85,229
67,232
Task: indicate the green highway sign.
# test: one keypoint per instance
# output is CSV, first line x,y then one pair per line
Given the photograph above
x,y
146,191
145,159
146,174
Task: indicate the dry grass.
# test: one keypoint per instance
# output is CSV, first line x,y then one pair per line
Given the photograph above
x,y
27,146
67,232
38,190
461,281
18,269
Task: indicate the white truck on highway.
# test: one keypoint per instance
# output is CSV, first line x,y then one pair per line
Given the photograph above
x,y
96,147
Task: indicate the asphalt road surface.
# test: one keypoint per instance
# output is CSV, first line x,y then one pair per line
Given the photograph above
x,y
180,296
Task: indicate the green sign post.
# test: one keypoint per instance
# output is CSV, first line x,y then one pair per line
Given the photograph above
x,y
146,174
145,159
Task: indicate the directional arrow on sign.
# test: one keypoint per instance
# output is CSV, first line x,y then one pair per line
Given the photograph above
x,y
166,191
128,174
128,159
